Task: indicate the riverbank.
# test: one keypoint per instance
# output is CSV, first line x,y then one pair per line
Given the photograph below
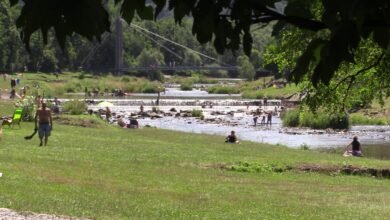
x,y
227,115
105,172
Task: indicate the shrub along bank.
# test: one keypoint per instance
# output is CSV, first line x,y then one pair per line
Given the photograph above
x,y
318,120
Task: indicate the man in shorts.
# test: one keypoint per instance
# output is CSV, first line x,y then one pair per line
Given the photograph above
x,y
43,116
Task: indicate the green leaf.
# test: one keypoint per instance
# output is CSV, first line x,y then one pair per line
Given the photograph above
x,y
13,2
382,36
279,26
160,4
85,17
247,43
310,55
204,21
181,8
145,13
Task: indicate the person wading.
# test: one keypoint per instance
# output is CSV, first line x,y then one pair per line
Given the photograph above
x,y
43,116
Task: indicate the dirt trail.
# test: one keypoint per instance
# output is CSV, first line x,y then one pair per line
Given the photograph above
x,y
8,214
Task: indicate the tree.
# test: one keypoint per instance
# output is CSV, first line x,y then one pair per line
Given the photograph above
x,y
191,59
245,68
256,59
151,58
227,23
354,85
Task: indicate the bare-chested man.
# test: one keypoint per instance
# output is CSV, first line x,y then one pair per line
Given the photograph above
x,y
43,115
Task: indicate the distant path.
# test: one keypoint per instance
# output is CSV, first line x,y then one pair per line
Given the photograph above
x,y
8,214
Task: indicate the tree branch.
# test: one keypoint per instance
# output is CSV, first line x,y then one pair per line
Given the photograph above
x,y
376,63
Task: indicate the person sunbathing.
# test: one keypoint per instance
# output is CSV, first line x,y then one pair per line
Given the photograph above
x,y
232,138
354,148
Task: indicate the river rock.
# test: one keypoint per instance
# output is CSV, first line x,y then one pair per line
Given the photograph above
x,y
217,113
185,111
155,115
186,115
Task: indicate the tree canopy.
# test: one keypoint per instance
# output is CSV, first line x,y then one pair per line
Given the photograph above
x,y
227,23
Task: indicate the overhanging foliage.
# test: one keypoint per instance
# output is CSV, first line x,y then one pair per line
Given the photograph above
x,y
227,23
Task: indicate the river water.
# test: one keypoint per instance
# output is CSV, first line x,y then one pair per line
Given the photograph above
x,y
234,114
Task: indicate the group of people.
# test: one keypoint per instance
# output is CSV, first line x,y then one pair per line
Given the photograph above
x,y
263,116
353,149
44,126
133,122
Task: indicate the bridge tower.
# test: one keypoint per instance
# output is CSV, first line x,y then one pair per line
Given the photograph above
x,y
118,46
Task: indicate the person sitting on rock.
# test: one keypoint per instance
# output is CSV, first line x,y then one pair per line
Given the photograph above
x,y
120,121
232,138
355,148
133,123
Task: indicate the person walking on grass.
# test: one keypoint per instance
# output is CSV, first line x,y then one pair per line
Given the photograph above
x,y
43,117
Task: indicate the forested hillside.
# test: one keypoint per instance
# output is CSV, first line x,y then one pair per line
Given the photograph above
x,y
140,48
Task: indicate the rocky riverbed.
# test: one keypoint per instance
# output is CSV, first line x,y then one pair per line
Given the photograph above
x,y
221,119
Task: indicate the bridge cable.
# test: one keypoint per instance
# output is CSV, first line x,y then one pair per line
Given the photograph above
x,y
177,44
160,44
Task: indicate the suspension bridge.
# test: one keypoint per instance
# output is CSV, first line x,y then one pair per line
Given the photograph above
x,y
120,67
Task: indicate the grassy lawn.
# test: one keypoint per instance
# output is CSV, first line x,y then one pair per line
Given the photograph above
x,y
375,115
250,90
68,82
106,172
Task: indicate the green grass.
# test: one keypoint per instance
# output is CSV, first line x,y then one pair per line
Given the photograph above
x,y
6,108
360,119
366,116
104,172
73,83
221,89
272,93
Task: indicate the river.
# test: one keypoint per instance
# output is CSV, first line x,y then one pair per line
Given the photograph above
x,y
234,114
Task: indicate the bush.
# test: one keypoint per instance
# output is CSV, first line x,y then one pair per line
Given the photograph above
x,y
197,113
186,86
126,79
291,118
29,108
304,146
320,120
75,107
339,121
150,88
81,76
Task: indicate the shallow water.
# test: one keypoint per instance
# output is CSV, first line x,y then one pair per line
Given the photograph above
x,y
242,123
